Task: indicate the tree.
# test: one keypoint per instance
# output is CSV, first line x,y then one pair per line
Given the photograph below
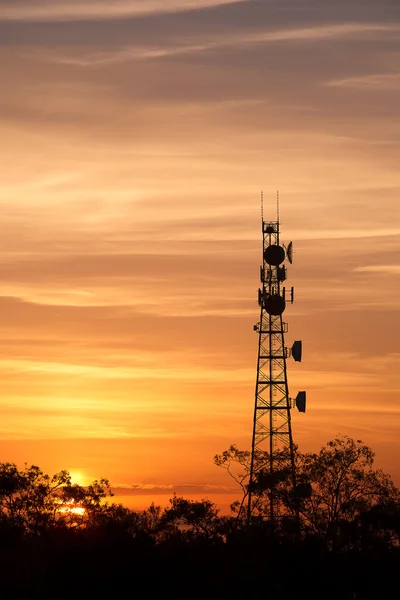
x,y
344,486
32,501
337,491
237,463
193,518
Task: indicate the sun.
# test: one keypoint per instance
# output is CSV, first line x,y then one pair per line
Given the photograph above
x,y
78,476
71,508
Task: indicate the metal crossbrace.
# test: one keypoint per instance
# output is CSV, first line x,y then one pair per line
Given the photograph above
x,y
272,420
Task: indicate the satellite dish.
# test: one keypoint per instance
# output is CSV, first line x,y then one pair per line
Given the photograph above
x,y
274,255
289,252
274,304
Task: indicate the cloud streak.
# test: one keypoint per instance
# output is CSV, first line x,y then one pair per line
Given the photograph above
x,y
207,43
378,81
77,10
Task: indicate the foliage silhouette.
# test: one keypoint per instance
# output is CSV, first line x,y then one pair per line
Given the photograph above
x,y
346,548
32,501
337,489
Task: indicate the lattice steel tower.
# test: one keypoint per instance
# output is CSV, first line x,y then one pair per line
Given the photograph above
x,y
272,428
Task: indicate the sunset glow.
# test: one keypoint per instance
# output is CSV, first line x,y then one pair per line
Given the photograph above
x,y
78,477
70,508
136,139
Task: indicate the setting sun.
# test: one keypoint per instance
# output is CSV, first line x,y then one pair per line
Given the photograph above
x,y
70,508
78,477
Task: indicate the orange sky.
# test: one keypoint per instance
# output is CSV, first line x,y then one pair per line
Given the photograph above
x,y
136,137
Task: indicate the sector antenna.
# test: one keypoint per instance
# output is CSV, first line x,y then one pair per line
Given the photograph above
x,y
272,423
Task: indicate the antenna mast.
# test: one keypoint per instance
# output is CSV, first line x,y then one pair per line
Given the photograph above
x,y
277,205
272,441
262,206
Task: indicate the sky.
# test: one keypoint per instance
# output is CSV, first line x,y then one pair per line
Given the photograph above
x,y
136,137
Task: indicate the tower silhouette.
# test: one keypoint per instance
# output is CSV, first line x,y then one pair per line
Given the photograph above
x,y
272,428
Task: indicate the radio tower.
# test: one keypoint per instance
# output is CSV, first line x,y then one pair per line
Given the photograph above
x,y
272,428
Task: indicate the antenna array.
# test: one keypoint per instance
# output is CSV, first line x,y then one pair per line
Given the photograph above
x,y
272,428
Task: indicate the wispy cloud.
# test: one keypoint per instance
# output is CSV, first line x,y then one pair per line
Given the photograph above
x,y
207,42
324,31
99,9
95,372
389,269
160,488
380,81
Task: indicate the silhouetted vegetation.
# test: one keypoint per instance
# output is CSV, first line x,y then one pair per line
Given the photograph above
x,y
337,535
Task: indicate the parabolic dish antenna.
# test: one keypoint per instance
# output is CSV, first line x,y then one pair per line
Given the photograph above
x,y
274,255
289,252
274,304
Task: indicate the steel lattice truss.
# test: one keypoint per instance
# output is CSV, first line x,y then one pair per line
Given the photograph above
x,y
272,430
272,406
272,393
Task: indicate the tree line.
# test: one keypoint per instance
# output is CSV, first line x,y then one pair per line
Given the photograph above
x,y
336,534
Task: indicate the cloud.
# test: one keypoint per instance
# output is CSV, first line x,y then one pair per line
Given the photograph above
x,y
324,32
78,10
388,269
379,82
170,488
217,41
171,372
